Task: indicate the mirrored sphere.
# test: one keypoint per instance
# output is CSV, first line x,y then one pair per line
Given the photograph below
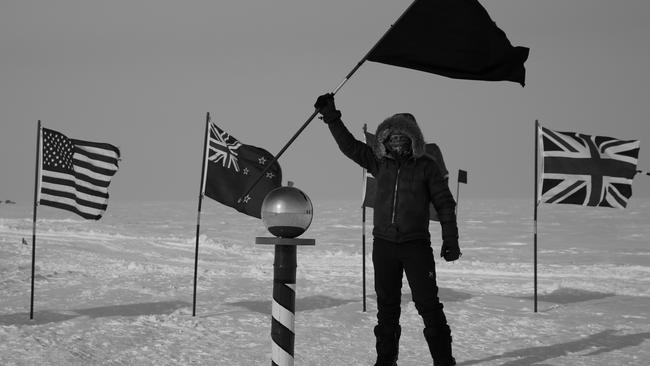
x,y
287,212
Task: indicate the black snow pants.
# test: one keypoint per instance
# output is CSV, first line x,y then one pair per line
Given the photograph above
x,y
416,259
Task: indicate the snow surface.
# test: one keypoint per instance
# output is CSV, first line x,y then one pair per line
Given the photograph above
x,y
119,291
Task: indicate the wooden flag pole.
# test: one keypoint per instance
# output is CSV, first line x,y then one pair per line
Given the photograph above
x,y
306,123
36,189
198,215
535,202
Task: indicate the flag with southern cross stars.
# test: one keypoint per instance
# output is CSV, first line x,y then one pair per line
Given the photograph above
x,y
231,169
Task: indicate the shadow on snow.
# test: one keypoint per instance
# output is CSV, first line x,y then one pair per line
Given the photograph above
x,y
302,304
44,317
324,302
595,344
567,295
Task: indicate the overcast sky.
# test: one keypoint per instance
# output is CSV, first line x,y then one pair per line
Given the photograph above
x,y
141,74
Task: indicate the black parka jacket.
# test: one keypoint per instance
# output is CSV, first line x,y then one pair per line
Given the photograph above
x,y
404,189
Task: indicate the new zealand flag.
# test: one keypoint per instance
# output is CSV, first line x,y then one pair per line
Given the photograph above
x,y
231,169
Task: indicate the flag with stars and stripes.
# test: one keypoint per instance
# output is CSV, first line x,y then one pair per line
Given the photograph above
x,y
75,174
231,169
586,170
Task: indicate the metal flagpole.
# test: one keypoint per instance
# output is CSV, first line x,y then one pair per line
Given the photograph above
x,y
535,202
363,253
198,216
36,189
306,123
457,192
462,178
363,229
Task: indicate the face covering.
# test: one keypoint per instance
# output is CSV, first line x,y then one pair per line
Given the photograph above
x,y
399,145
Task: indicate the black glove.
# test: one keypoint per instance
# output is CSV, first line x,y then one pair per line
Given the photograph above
x,y
450,250
326,107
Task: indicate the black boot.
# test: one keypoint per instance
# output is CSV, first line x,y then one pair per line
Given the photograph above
x,y
439,341
387,345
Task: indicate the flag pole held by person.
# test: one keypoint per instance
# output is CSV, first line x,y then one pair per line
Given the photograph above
x,y
456,39
407,181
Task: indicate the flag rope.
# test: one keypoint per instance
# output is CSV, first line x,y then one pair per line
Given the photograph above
x,y
642,172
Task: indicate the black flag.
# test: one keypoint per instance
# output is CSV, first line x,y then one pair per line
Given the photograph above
x,y
453,38
462,176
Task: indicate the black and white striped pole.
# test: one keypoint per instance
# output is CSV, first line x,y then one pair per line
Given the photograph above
x,y
287,213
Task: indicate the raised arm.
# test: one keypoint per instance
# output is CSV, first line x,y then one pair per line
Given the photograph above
x,y
354,149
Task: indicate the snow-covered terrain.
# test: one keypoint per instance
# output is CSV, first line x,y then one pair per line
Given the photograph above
x,y
119,291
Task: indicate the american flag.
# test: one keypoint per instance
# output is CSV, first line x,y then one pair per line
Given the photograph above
x,y
586,170
75,174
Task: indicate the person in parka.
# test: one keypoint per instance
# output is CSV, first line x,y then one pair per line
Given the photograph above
x,y
407,181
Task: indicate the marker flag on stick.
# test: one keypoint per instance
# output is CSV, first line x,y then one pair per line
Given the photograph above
x,y
462,176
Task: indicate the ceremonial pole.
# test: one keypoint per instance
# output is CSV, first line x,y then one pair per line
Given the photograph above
x,y
287,212
198,216
36,189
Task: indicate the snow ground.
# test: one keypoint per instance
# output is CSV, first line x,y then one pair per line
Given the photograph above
x,y
115,294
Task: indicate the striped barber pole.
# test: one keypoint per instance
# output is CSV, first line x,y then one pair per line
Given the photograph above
x,y
283,308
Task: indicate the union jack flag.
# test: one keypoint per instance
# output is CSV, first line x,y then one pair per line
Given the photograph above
x,y
586,170
223,148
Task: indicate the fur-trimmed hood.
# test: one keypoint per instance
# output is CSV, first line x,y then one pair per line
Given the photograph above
x,y
403,123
